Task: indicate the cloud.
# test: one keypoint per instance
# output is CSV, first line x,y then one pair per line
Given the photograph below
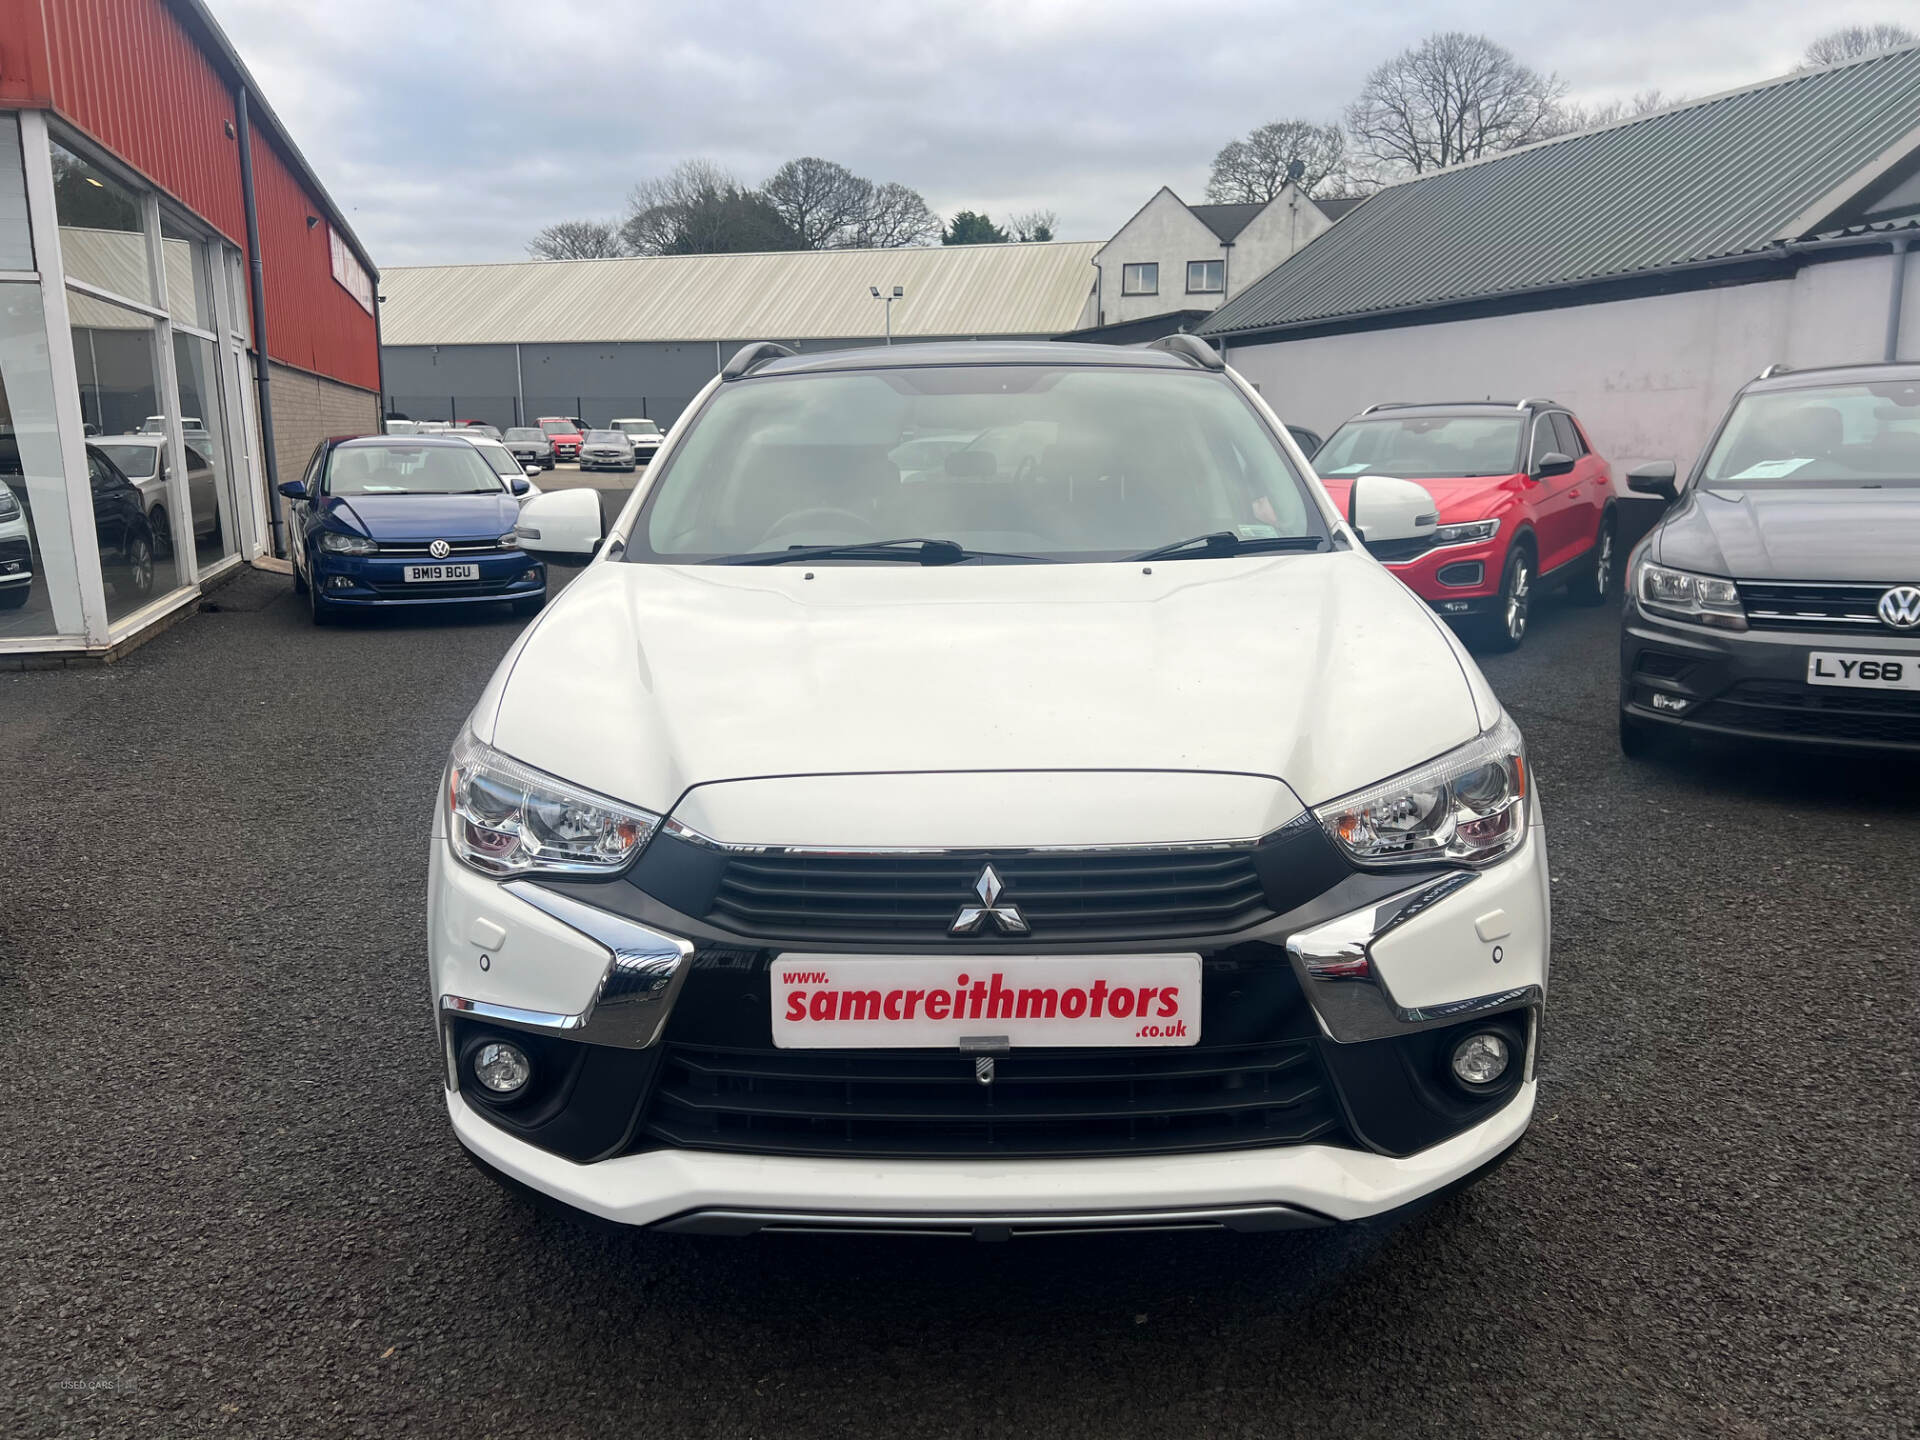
x,y
453,131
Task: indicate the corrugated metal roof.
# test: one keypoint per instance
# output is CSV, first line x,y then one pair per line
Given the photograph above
x,y
956,290
1714,179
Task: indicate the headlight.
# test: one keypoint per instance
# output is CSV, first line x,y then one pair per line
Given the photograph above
x,y
9,505
1466,534
341,543
1681,595
509,540
1468,806
506,818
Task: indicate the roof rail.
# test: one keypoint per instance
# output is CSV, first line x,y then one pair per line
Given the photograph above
x,y
750,355
1430,404
1778,367
1190,347
1533,400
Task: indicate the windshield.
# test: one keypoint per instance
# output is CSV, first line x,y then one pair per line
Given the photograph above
x,y
605,437
557,427
502,461
524,432
1832,435
1423,447
136,462
1090,463
444,469
637,427
401,427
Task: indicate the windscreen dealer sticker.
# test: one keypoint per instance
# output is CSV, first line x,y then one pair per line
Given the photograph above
x,y
860,1002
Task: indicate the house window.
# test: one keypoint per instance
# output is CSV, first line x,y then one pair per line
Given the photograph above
x,y
1206,277
1139,279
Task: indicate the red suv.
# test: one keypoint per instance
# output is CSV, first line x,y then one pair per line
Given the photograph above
x,y
1523,500
564,433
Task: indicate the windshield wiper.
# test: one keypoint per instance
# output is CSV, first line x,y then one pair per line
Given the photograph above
x,y
1225,542
923,552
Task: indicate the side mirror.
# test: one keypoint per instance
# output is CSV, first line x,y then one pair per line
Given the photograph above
x,y
294,489
1551,464
518,487
1656,477
560,522
1384,509
531,469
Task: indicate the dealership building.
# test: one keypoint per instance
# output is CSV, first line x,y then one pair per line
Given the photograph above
x,y
639,337
183,313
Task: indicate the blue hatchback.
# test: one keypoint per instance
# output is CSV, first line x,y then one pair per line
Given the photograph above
x,y
385,522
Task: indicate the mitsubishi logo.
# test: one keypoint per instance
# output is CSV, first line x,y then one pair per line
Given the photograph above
x,y
439,549
1900,607
973,918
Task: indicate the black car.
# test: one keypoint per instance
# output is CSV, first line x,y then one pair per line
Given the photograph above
x,y
120,524
1779,597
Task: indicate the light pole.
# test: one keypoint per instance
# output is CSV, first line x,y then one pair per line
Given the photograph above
x,y
897,293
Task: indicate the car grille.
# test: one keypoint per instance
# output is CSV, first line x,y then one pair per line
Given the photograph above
x,y
1254,1079
16,552
1786,709
454,547
1060,896
1805,605
1041,1102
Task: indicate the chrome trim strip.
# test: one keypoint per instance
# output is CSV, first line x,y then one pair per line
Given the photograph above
x,y
1334,963
680,830
736,1222
645,972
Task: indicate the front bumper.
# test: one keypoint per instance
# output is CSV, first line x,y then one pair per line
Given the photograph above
x,y
1456,580
1752,684
378,582
1371,996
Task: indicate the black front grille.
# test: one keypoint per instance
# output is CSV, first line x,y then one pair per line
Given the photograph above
x,y
921,1103
1837,609
488,546
1784,708
16,553
803,896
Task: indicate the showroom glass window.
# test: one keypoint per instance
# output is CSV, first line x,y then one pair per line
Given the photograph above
x,y
193,269
39,584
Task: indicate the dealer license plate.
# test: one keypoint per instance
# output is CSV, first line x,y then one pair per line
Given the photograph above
x,y
443,572
858,1002
1863,672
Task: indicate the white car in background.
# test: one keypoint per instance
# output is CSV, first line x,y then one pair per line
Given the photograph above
x,y
143,459
1095,840
512,471
644,434
16,551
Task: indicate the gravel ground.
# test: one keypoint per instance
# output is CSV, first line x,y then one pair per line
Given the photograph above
x,y
232,1202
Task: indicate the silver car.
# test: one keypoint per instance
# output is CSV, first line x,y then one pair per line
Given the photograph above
x,y
606,450
529,445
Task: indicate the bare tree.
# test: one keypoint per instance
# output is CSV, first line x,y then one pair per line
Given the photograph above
x,y
823,203
1452,97
698,208
1259,167
578,240
1031,226
1850,42
896,217
1644,102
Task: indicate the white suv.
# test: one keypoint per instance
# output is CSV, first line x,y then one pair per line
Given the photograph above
x,y
1079,833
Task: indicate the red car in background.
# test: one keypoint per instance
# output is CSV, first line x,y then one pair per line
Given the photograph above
x,y
564,433
1523,500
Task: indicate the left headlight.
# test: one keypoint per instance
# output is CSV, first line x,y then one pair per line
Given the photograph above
x,y
1469,806
1682,595
341,543
1467,533
506,818
508,540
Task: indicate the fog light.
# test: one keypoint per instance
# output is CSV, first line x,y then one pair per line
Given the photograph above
x,y
528,577
1662,701
1454,607
504,1069
339,582
1480,1059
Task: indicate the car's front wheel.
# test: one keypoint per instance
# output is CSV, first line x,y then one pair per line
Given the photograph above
x,y
321,612
1506,627
1593,587
139,563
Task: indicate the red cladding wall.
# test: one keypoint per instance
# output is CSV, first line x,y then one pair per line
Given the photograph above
x,y
126,73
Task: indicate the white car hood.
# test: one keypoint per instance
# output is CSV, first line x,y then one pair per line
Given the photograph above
x,y
642,681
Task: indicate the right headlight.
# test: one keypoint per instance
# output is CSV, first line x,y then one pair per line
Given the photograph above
x,y
9,504
339,542
1468,806
1682,595
506,818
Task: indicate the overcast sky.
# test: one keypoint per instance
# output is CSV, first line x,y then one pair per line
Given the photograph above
x,y
451,130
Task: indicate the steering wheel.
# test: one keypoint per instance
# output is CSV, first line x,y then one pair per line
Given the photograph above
x,y
801,519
